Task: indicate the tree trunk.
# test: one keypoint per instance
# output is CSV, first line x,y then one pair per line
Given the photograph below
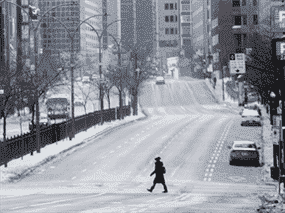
x,y
33,115
4,137
85,118
121,105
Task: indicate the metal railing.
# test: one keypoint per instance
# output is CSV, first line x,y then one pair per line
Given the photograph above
x,y
18,146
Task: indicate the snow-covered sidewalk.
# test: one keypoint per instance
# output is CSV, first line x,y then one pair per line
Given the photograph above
x,y
20,167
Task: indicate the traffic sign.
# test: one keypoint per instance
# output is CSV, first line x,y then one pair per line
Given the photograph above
x,y
237,63
275,135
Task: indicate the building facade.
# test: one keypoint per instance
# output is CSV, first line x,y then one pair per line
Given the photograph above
x,y
138,26
223,27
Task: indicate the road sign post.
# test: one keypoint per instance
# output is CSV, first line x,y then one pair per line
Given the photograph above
x,y
237,63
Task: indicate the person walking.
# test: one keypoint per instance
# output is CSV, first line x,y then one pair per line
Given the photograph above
x,y
159,177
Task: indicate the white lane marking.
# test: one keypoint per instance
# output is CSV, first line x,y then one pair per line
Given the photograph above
x,y
94,163
52,167
210,174
206,174
132,138
205,179
215,161
73,178
111,151
182,108
207,170
41,204
119,147
126,141
213,165
209,179
212,170
84,170
164,136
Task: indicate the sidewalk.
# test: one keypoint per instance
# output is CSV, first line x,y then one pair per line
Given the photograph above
x,y
20,168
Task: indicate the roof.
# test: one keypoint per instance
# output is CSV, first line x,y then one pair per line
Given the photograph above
x,y
250,112
243,146
244,142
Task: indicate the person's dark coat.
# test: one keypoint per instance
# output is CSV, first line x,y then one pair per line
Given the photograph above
x,y
159,178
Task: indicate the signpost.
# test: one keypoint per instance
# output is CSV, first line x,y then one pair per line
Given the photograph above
x,y
237,63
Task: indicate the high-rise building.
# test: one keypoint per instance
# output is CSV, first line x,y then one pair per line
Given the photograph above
x,y
138,25
169,30
225,27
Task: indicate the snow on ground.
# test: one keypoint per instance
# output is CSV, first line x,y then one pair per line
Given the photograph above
x,y
19,167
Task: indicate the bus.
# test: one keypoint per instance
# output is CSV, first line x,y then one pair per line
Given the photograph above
x,y
58,107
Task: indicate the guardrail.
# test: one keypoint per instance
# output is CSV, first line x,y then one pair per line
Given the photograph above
x,y
19,146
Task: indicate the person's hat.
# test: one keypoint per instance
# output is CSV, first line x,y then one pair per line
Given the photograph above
x,y
158,158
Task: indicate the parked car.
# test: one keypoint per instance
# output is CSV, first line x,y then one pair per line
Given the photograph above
x,y
78,79
244,151
250,117
160,80
44,121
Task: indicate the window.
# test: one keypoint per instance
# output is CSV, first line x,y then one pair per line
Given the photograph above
x,y
166,31
172,31
240,40
185,18
244,20
166,6
175,6
185,30
254,2
176,31
175,18
166,19
171,18
171,6
243,2
185,7
236,3
237,20
255,20
215,40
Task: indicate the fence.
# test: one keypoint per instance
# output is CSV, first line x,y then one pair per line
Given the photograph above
x,y
19,146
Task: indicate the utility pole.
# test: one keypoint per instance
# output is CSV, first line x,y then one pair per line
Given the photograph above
x,y
278,57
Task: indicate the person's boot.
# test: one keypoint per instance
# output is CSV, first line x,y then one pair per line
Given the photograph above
x,y
165,189
150,190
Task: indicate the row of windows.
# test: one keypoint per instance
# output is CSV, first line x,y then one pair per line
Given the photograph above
x,y
170,6
171,43
236,3
185,18
242,20
171,18
171,31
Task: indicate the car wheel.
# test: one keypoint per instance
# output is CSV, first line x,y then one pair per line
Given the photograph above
x,y
231,162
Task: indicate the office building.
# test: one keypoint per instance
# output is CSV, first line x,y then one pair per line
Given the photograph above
x,y
225,27
138,25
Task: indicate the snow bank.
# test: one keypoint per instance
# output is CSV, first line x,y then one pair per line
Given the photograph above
x,y
20,167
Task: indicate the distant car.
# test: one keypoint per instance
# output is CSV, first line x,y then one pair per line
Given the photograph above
x,y
44,121
78,79
86,79
250,117
244,151
78,102
94,77
160,80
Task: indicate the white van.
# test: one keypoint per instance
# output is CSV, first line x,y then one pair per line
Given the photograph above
x,y
250,117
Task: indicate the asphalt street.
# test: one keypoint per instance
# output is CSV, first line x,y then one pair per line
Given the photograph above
x,y
186,127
